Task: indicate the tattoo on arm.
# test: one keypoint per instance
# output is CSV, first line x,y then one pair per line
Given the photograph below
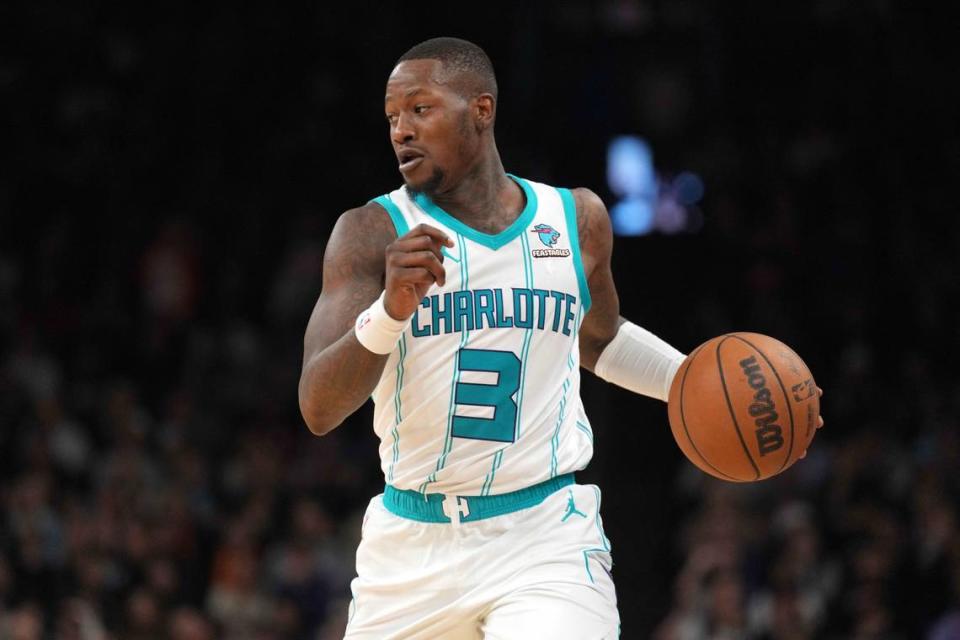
x,y
600,325
338,373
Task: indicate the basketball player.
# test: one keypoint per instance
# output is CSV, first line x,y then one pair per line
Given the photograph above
x,y
464,303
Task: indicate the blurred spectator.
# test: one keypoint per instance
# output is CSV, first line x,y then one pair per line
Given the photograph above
x,y
78,620
6,582
188,624
143,617
800,583
234,601
170,280
23,623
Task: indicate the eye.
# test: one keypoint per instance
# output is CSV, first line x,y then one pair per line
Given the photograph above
x,y
391,117
420,109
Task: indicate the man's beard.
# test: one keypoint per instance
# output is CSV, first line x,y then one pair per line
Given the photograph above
x,y
429,187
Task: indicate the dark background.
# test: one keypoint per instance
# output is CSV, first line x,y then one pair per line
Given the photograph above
x,y
169,177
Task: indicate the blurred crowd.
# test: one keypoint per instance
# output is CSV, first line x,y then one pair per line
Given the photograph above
x,y
203,510
162,223
861,541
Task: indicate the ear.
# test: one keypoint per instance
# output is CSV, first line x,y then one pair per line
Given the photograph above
x,y
484,110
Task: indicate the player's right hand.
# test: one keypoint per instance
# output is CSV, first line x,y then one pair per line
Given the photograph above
x,y
414,263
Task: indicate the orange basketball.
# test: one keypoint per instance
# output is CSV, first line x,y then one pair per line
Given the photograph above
x,y
743,407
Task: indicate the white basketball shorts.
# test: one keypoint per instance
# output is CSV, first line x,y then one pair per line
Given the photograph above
x,y
482,569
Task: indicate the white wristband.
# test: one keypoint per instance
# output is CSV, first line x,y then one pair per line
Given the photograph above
x,y
376,330
639,361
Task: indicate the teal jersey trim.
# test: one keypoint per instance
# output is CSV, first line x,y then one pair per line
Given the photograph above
x,y
570,212
603,536
397,407
525,348
352,608
428,507
528,278
399,222
555,440
497,459
585,429
464,337
603,540
494,241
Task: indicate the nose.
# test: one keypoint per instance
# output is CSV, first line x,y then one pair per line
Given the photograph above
x,y
402,131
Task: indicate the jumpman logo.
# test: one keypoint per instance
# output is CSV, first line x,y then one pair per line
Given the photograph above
x,y
571,508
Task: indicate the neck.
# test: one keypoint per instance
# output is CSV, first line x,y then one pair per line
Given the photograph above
x,y
486,198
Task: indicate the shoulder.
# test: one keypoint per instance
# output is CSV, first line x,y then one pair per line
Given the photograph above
x,y
367,225
587,200
358,240
370,220
593,228
592,214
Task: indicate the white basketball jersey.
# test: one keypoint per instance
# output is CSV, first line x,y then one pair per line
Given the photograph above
x,y
482,394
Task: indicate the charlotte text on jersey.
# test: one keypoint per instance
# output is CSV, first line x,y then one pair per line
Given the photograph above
x,y
473,309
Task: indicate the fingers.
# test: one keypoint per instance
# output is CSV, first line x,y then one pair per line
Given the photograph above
x,y
415,276
431,232
415,244
819,422
819,418
417,255
425,260
414,262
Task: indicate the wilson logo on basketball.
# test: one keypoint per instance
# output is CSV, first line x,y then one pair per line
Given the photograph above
x,y
769,434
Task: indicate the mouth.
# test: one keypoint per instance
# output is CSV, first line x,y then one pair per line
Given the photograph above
x,y
409,159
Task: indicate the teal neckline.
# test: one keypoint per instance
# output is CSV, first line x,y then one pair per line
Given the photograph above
x,y
492,241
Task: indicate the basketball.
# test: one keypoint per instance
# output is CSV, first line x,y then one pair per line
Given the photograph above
x,y
743,407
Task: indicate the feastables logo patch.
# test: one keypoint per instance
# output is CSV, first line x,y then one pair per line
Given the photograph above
x,y
548,236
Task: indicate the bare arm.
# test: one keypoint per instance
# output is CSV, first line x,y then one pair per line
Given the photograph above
x,y
363,258
601,324
596,245
338,372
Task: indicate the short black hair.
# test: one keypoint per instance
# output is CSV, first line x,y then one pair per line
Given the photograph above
x,y
461,57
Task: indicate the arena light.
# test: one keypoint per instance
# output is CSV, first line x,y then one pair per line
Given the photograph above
x,y
648,201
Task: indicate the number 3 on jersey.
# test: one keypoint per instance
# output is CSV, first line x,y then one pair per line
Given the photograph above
x,y
498,396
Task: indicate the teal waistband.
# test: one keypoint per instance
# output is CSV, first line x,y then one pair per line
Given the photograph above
x,y
428,507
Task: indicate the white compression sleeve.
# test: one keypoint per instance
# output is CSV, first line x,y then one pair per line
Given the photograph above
x,y
639,361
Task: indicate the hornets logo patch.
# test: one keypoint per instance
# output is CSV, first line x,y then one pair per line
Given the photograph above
x,y
548,236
